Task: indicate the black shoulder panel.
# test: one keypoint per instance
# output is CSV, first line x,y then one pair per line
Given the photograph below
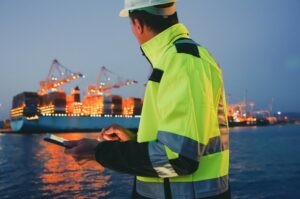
x,y
156,75
187,46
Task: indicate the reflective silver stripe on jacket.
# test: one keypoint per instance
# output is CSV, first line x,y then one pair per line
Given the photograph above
x,y
182,145
223,121
190,148
159,160
188,190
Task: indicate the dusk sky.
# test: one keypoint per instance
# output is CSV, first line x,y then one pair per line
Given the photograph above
x,y
256,42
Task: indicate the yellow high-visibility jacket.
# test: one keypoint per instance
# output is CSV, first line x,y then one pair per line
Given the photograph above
x,y
184,114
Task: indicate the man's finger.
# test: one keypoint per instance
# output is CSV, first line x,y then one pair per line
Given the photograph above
x,y
102,133
107,128
110,137
100,137
113,130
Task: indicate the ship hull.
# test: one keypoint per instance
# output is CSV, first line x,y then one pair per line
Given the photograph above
x,y
70,124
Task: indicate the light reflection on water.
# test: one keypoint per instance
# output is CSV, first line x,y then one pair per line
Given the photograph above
x,y
32,167
61,173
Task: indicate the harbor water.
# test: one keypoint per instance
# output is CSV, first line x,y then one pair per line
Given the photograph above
x,y
265,163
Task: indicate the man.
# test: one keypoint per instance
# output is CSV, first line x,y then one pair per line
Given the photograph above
x,y
181,149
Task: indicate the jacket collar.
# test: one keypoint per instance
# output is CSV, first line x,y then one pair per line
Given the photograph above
x,y
157,46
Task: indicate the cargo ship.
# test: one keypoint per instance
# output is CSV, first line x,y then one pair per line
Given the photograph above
x,y
50,109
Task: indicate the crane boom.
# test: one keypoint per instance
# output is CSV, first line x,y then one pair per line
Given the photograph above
x,y
58,76
105,82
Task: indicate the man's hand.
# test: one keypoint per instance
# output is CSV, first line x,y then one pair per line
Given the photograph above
x,y
116,132
83,152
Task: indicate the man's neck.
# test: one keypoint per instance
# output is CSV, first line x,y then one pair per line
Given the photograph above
x,y
147,36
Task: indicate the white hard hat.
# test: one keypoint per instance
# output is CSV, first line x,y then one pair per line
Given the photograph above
x,y
140,4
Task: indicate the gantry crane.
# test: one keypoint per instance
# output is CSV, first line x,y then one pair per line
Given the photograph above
x,y
107,80
58,76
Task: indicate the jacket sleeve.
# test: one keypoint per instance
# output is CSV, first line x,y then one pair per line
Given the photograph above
x,y
133,158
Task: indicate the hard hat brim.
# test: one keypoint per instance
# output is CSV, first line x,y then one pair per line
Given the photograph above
x,y
124,13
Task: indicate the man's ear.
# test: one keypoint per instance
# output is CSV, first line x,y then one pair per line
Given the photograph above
x,y
139,26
